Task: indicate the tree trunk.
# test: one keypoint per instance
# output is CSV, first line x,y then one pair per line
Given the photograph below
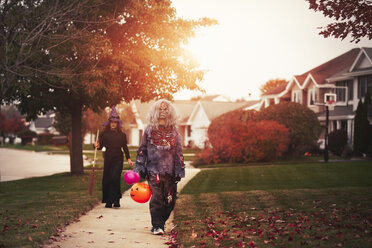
x,y
76,155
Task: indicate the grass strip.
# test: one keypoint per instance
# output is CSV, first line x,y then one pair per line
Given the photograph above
x,y
34,210
294,176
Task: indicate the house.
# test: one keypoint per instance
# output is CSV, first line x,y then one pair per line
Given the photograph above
x,y
195,118
346,78
44,124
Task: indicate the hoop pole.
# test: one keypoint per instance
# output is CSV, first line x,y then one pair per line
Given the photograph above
x,y
326,136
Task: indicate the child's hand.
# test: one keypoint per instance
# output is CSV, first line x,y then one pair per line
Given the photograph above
x,y
130,162
96,145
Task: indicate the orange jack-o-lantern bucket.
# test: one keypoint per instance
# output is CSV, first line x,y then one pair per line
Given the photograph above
x,y
140,192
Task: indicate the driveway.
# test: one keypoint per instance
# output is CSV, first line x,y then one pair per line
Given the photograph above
x,y
18,164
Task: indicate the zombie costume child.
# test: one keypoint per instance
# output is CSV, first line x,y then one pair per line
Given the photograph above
x,y
160,160
114,140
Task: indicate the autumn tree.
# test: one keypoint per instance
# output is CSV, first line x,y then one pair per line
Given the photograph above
x,y
272,84
350,17
24,28
127,116
93,120
98,54
11,123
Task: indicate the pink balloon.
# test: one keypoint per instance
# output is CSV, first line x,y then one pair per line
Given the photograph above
x,y
131,177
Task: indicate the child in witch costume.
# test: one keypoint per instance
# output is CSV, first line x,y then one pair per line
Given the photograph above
x,y
114,140
160,160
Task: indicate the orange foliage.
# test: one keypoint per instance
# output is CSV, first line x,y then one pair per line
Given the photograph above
x,y
236,141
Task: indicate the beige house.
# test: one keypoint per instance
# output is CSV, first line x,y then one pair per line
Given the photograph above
x,y
195,118
348,77
43,124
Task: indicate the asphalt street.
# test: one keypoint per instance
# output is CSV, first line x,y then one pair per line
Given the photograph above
x,y
18,164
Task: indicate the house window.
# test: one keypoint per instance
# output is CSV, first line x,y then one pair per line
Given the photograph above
x,y
312,96
341,93
364,85
296,96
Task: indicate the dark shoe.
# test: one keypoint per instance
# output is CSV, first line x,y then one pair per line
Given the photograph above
x,y
116,205
108,205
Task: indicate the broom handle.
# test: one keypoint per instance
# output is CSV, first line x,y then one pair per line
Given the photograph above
x,y
95,151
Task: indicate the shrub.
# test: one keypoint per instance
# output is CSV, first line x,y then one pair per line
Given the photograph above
x,y
45,139
236,141
240,115
304,127
347,153
206,156
337,141
26,136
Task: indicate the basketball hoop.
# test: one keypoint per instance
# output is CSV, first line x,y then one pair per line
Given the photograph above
x,y
330,104
330,100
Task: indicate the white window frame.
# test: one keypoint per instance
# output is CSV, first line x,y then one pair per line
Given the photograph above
x,y
311,95
296,96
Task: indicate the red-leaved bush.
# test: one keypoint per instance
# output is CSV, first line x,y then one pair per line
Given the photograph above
x,y
236,141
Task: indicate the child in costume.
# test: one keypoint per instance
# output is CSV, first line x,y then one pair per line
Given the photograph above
x,y
114,140
160,160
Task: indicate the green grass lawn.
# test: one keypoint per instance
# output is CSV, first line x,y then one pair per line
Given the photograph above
x,y
39,148
34,210
311,205
294,176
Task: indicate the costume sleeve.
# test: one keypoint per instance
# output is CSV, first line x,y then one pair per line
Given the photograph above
x,y
125,147
179,160
141,155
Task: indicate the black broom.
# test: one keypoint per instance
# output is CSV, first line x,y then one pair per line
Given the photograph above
x,y
91,180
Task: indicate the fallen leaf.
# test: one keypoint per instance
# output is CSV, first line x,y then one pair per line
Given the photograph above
x,y
5,228
193,234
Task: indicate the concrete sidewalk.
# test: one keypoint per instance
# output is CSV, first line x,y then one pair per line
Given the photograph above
x,y
127,226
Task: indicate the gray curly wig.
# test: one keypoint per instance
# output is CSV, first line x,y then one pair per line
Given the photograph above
x,y
153,116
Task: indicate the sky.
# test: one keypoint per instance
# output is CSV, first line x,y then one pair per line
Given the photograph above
x,y
255,41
